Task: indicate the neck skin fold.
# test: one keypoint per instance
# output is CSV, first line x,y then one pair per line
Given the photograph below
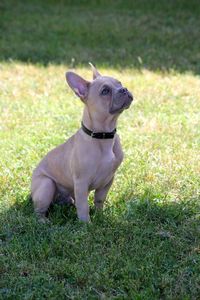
x,y
97,123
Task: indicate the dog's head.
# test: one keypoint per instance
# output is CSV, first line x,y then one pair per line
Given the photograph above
x,y
102,95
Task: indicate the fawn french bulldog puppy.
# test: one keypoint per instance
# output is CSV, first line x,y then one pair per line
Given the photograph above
x,y
88,160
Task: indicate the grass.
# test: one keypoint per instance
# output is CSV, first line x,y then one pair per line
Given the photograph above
x,y
146,244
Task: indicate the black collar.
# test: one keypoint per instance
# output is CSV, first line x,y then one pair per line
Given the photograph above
x,y
99,135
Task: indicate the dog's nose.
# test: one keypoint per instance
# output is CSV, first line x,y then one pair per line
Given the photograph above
x,y
123,91
130,96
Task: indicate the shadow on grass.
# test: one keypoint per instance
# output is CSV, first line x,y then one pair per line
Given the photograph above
x,y
157,35
140,209
146,207
138,248
144,213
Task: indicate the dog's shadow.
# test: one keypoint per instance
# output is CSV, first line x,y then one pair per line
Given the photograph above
x,y
59,213
138,207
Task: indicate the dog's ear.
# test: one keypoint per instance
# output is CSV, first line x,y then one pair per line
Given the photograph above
x,y
94,70
79,85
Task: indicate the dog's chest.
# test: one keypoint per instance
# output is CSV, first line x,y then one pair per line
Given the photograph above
x,y
105,170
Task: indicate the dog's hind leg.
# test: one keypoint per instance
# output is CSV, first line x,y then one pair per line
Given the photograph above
x,y
43,191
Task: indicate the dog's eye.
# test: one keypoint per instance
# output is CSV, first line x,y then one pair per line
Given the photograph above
x,y
105,91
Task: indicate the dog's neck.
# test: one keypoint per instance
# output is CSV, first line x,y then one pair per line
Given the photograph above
x,y
98,123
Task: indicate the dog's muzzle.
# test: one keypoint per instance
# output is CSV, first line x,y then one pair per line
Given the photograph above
x,y
121,100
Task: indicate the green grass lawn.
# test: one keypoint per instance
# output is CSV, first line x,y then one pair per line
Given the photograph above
x,y
146,244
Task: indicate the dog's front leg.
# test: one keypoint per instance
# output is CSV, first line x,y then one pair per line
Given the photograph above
x,y
101,194
81,200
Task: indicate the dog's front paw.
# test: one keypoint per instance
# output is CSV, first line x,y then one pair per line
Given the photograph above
x,y
85,219
42,218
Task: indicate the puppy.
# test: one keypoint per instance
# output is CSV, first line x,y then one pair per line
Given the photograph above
x,y
88,160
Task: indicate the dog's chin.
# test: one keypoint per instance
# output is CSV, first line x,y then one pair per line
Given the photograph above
x,y
127,106
116,111
120,109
